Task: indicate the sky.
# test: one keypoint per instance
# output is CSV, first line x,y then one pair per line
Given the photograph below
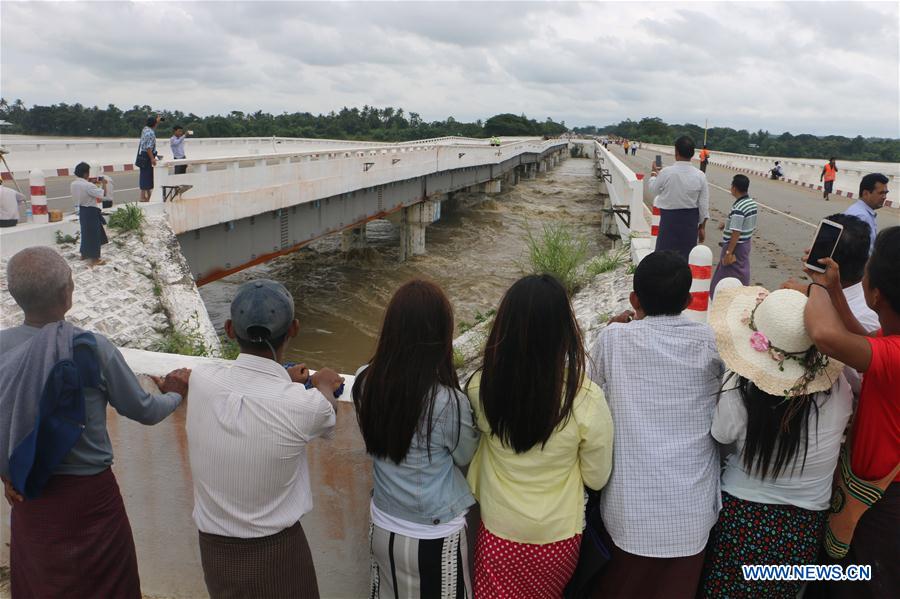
x,y
803,67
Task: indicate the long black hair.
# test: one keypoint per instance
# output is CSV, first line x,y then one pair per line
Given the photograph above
x,y
533,363
413,358
777,428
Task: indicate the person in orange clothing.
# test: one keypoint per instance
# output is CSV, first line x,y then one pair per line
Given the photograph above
x,y
829,173
704,158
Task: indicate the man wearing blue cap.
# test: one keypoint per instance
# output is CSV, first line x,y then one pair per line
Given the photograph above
x,y
248,424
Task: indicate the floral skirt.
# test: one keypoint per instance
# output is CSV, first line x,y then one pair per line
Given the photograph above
x,y
758,533
509,570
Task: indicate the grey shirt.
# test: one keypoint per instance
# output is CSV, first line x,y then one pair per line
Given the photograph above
x,y
86,193
119,388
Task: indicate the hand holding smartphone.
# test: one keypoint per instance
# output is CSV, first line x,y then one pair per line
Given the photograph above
x,y
659,161
824,243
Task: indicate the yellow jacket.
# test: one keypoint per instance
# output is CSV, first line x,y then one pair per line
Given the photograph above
x,y
538,496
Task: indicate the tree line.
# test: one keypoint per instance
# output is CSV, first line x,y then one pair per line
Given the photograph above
x,y
761,143
367,123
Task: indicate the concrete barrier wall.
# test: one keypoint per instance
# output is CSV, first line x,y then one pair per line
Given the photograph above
x,y
803,171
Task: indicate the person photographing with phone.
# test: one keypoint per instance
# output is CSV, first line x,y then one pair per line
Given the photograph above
x,y
683,201
176,143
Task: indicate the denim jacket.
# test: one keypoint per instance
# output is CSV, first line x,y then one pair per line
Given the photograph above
x,y
431,491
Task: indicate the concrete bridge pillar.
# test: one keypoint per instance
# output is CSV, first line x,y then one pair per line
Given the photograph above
x,y
353,239
542,166
492,187
413,220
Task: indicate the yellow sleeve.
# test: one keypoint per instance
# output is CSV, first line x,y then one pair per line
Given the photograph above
x,y
595,429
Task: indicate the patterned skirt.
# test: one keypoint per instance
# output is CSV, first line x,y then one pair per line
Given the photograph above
x,y
758,533
428,568
509,570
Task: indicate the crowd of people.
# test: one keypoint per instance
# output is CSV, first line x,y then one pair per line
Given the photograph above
x,y
683,450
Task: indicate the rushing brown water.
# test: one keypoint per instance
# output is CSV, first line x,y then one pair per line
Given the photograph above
x,y
475,251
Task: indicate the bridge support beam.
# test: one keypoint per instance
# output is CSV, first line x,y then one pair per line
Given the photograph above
x,y
542,166
353,239
492,187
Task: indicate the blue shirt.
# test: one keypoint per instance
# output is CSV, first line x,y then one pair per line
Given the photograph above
x,y
862,211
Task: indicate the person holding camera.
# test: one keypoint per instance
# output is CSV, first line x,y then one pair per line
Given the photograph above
x,y
146,156
87,195
176,142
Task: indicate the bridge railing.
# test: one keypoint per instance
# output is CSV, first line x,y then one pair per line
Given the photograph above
x,y
804,171
227,189
626,197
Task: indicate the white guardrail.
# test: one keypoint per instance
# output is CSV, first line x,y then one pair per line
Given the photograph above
x,y
626,192
227,189
803,171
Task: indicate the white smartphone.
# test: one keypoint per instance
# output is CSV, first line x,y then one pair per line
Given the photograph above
x,y
827,236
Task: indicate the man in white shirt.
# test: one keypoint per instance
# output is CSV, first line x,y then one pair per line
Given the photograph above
x,y
661,375
9,206
248,424
176,143
682,196
873,191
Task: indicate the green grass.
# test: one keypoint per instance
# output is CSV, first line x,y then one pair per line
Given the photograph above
x,y
184,343
458,359
61,239
607,262
127,218
559,253
479,318
230,348
631,269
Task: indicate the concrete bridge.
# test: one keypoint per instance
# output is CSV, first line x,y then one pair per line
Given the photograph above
x,y
248,207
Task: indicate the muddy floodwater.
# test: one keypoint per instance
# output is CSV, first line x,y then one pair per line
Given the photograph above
x,y
475,251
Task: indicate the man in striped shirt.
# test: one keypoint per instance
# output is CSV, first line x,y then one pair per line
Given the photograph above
x,y
737,232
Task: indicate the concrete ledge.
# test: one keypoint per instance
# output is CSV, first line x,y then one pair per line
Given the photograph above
x,y
159,364
23,235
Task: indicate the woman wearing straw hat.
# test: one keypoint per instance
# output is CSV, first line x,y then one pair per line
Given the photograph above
x,y
784,408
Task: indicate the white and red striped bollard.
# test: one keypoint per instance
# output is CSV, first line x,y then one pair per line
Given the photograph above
x,y
37,182
700,262
654,223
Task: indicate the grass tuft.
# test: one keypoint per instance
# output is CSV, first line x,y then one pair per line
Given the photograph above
x,y
559,253
607,262
127,218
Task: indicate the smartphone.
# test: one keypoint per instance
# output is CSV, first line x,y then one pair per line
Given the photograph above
x,y
826,239
658,160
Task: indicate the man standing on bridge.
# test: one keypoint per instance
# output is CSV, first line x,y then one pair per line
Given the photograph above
x,y
734,260
829,173
873,192
683,201
704,161
146,157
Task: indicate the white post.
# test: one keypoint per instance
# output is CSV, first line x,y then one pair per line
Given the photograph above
x,y
700,262
37,182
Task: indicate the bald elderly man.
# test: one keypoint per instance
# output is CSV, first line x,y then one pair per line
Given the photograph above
x,y
70,533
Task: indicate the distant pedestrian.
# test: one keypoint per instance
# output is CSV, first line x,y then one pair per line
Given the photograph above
x,y
70,535
777,171
546,434
418,428
829,173
683,201
146,157
704,158
248,426
634,148
873,191
87,196
9,206
626,145
661,374
737,234
176,143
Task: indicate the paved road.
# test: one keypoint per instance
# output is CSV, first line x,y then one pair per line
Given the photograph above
x,y
788,217
59,198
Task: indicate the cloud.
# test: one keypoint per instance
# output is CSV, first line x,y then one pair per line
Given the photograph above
x,y
804,67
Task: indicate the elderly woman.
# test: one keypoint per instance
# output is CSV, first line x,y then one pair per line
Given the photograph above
x,y
64,496
87,196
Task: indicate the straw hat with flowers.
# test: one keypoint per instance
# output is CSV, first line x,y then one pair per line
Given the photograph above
x,y
761,336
